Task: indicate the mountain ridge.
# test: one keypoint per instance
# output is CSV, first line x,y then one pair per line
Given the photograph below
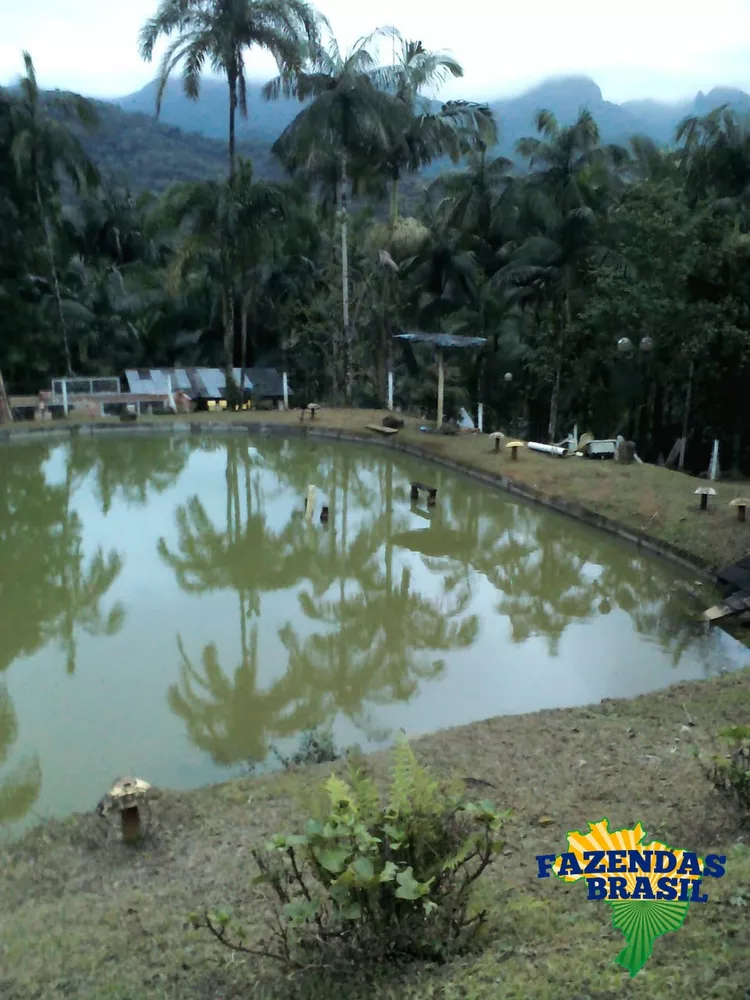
x,y
188,140
563,95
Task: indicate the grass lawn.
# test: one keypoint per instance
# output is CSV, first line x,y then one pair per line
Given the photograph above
x,y
83,917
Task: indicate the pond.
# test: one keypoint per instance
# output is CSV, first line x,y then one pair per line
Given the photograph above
x,y
166,610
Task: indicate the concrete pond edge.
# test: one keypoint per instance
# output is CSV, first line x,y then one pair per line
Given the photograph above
x,y
576,511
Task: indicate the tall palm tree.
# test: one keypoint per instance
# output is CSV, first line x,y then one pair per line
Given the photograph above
x,y
570,188
205,211
428,134
43,146
262,208
715,156
347,113
217,33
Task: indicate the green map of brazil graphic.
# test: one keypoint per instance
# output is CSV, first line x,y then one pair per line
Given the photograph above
x,y
649,887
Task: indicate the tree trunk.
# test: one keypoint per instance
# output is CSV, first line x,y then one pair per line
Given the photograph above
x,y
382,352
389,529
227,310
686,415
229,337
232,80
348,366
394,201
53,274
243,344
440,391
552,427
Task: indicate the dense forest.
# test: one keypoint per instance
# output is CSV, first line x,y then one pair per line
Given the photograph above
x,y
610,281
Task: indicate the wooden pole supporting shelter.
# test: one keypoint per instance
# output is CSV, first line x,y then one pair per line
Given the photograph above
x,y
441,387
441,342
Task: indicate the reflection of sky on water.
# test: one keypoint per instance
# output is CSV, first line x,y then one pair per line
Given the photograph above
x,y
112,717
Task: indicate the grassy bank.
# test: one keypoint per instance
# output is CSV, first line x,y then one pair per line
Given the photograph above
x,y
656,502
81,916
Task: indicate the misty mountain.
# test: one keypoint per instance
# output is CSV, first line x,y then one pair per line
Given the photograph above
x,y
209,116
188,140
565,96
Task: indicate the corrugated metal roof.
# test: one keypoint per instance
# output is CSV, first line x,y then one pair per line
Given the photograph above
x,y
441,339
206,383
213,382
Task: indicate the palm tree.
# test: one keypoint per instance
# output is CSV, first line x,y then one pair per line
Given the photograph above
x,y
205,212
262,208
42,147
217,33
569,189
428,134
348,115
715,157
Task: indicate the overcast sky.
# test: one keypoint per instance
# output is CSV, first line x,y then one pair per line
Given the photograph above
x,y
646,48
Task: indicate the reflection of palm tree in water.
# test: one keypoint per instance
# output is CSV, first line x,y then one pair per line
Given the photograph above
x,y
245,556
369,651
82,589
231,719
547,592
19,789
49,592
660,608
130,467
369,660
550,576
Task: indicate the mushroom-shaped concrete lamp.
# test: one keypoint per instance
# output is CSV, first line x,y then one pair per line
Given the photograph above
x,y
704,492
741,503
497,437
313,408
514,446
126,797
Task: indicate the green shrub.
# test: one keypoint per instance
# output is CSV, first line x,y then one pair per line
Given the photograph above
x,y
316,746
376,878
730,773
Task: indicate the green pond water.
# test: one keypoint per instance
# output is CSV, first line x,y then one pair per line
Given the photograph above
x,y
166,611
